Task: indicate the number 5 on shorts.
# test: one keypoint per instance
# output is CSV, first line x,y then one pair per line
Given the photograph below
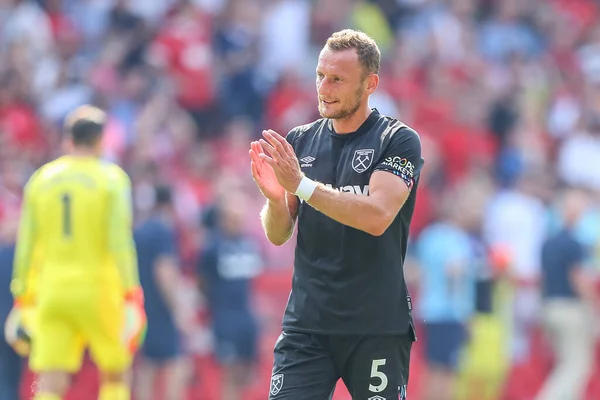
x,y
376,373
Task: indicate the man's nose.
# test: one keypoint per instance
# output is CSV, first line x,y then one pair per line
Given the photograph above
x,y
322,86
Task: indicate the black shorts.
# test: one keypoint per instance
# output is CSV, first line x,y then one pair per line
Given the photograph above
x,y
236,338
308,366
443,343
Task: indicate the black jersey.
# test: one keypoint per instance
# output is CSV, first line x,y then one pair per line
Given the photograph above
x,y
347,281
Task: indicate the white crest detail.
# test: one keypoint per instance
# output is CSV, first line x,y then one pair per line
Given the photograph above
x,y
277,384
362,160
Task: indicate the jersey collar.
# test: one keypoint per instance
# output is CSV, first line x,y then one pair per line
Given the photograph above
x,y
368,124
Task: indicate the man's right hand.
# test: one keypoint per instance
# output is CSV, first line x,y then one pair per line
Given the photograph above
x,y
263,175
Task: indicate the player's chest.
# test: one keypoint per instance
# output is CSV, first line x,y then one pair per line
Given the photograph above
x,y
343,163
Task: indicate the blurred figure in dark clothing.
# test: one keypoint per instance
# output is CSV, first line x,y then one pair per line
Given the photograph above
x,y
161,280
568,301
227,265
10,362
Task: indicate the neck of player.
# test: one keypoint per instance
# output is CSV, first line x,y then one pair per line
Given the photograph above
x,y
353,122
85,151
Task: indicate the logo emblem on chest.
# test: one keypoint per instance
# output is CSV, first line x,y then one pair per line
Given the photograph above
x,y
307,161
362,160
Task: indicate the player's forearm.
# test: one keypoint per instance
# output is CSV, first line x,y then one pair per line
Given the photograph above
x,y
125,256
169,282
277,222
23,254
122,245
21,270
358,211
127,263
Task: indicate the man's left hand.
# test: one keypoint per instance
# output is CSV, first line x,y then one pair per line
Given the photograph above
x,y
280,155
16,333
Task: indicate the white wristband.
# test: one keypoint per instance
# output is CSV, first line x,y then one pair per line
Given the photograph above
x,y
306,188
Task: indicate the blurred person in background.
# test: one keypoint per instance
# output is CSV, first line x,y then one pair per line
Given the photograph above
x,y
10,362
161,279
484,361
76,215
228,262
447,292
516,220
570,304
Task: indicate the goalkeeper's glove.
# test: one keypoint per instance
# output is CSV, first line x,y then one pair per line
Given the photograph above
x,y
17,329
135,319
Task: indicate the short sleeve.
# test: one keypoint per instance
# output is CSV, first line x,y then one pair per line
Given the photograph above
x,y
207,262
577,253
403,156
165,242
291,137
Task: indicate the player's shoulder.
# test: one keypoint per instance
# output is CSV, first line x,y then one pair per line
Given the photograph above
x,y
305,130
157,227
396,129
113,172
47,171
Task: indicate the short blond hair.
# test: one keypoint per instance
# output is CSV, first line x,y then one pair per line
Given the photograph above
x,y
366,48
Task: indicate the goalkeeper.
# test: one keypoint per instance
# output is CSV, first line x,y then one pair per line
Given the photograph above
x,y
77,218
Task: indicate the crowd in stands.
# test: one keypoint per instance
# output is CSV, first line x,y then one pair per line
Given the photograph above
x,y
505,95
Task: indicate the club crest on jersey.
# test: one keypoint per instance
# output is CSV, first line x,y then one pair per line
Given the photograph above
x,y
362,160
276,384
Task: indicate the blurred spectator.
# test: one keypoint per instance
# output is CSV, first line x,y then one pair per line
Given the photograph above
x,y
581,150
507,33
10,362
447,292
160,276
228,263
182,49
570,305
237,44
516,220
284,22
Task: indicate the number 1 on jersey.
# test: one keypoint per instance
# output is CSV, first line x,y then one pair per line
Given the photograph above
x,y
66,203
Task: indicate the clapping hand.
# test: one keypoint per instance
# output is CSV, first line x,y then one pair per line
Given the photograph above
x,y
279,155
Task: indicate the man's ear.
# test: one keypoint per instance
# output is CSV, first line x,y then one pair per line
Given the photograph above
x,y
372,83
67,144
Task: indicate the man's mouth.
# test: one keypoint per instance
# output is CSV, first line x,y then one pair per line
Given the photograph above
x,y
328,102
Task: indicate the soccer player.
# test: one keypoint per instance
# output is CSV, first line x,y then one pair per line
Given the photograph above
x,y
349,179
77,217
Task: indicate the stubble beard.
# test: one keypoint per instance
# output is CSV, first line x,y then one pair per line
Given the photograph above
x,y
344,113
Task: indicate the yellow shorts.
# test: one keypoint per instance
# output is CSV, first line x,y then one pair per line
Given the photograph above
x,y
69,321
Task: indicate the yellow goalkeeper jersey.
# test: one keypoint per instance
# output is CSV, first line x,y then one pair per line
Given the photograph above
x,y
77,220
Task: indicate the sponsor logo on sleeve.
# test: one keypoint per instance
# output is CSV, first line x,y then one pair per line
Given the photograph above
x,y
400,165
